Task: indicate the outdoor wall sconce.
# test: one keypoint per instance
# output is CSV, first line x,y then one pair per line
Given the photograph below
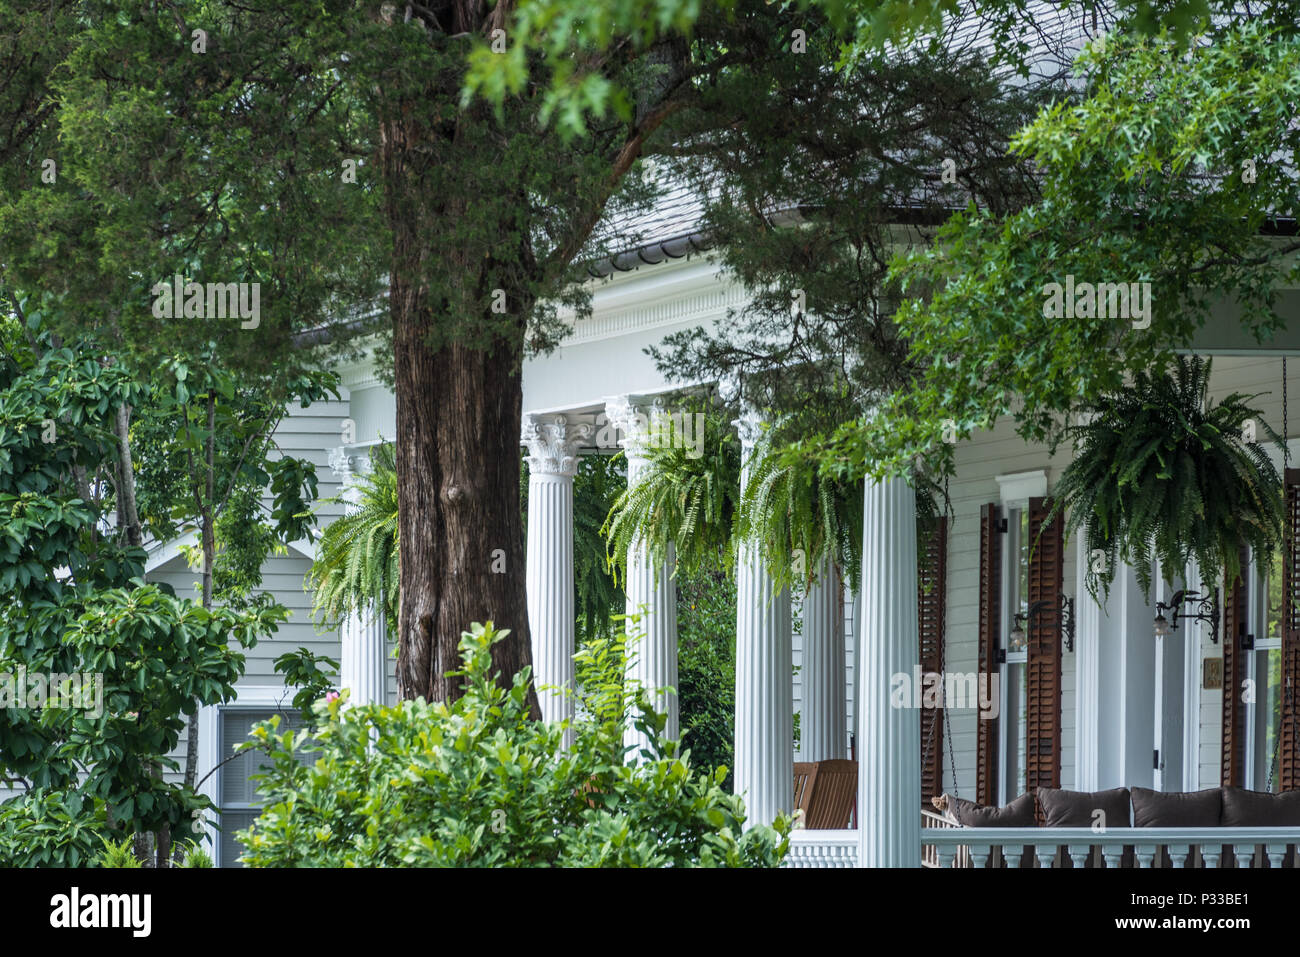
x,y
1018,639
1207,610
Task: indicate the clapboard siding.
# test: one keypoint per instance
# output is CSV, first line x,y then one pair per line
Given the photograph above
x,y
285,580
310,434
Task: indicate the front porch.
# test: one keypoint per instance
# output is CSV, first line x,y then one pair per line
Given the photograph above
x,y
1096,702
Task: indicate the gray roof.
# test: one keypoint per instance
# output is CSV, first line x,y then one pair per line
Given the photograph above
x,y
672,229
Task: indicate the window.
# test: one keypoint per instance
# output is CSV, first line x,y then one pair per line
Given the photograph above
x,y
239,801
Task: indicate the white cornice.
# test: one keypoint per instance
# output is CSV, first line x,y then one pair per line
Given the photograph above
x,y
360,373
660,296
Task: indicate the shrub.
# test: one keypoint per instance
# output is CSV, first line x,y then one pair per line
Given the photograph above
x,y
477,783
44,828
118,854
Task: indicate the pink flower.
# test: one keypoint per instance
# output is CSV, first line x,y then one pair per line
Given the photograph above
x,y
331,697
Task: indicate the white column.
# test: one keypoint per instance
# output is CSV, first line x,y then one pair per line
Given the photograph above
x,y
1115,651
650,589
552,443
853,686
764,773
822,726
363,664
1089,672
889,738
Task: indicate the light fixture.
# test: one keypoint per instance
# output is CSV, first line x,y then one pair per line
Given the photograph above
x,y
1018,638
1206,610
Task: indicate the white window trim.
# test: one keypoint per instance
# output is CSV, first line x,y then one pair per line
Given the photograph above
x,y
1257,620
1011,512
1016,488
248,698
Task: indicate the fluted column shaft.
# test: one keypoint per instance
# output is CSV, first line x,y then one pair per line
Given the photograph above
x,y
822,726
650,590
552,443
764,773
363,663
889,738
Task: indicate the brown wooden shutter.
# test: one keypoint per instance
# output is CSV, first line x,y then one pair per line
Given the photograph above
x,y
931,600
1289,746
1043,667
990,622
1232,762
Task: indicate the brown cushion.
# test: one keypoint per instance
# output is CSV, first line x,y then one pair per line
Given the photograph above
x,y
1019,813
1176,809
1242,808
1075,808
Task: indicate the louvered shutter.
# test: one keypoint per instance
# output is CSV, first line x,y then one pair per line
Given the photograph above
x,y
1289,750
990,621
1043,667
931,588
1232,763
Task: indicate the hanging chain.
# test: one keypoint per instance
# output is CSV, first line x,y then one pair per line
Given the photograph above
x,y
947,725
1290,547
1272,765
952,755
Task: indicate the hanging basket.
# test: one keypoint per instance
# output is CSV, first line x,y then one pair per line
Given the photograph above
x,y
1163,474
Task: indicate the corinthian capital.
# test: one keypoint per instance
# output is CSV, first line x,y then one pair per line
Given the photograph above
x,y
749,427
634,417
553,443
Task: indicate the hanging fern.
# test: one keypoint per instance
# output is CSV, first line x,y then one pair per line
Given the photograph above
x,y
689,502
1161,473
356,567
799,515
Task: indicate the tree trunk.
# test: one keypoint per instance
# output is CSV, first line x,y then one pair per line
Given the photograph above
x,y
155,847
208,533
457,442
458,420
128,516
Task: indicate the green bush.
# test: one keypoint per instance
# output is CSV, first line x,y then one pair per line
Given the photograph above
x,y
476,783
120,854
43,828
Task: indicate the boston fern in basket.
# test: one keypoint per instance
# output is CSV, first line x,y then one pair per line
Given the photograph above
x,y
1161,472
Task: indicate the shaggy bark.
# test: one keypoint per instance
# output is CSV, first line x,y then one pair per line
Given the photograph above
x,y
457,445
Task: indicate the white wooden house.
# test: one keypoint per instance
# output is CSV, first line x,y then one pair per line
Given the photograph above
x,y
1102,704
1120,707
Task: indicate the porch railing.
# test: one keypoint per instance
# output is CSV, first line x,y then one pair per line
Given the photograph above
x,y
1081,847
944,845
822,848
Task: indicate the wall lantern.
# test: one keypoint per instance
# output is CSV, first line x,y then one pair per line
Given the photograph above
x,y
1206,610
1018,640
